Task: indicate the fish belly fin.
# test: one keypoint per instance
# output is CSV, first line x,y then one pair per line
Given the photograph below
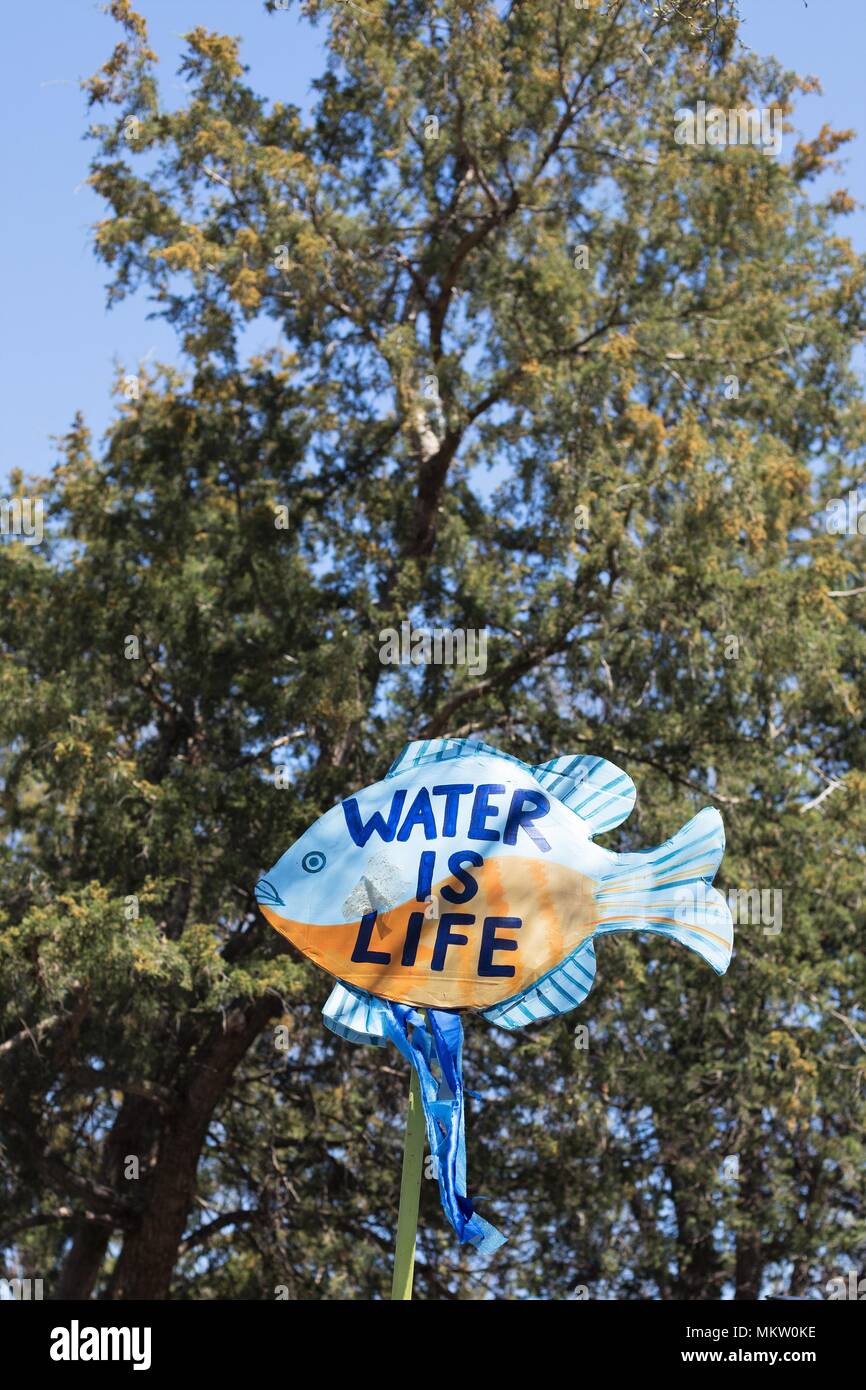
x,y
355,1015
596,790
439,750
555,993
667,890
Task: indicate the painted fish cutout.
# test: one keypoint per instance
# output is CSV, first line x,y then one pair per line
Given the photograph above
x,y
509,888
468,879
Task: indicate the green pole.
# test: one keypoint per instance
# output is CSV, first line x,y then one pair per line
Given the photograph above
x,y
410,1193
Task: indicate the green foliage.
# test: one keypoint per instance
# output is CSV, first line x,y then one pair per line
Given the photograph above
x,y
169,645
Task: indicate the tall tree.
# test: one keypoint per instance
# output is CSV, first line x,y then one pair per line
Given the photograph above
x,y
540,370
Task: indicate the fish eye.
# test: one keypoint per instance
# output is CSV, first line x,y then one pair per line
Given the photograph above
x,y
313,862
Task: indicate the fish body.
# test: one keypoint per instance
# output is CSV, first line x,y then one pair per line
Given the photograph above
x,y
468,879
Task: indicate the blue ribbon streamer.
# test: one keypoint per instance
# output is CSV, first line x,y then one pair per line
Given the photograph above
x,y
438,1040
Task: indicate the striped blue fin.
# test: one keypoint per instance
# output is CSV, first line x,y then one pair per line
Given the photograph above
x,y
600,793
667,890
438,750
355,1015
556,992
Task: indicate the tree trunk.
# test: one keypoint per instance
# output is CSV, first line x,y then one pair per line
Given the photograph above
x,y
133,1132
750,1256
150,1250
83,1262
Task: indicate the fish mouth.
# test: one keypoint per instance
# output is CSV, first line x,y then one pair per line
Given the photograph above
x,y
265,892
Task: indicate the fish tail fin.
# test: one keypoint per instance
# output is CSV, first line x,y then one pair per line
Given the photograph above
x,y
667,890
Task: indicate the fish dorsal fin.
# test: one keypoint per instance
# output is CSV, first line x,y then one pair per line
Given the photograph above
x,y
439,750
600,793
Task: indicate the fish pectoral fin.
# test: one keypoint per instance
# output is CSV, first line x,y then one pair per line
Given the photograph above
x,y
596,790
355,1015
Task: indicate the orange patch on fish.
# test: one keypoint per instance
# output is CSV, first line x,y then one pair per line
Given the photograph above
x,y
550,908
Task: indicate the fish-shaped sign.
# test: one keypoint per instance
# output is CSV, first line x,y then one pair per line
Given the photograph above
x,y
469,879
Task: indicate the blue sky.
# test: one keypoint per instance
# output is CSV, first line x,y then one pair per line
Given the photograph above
x,y
60,343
